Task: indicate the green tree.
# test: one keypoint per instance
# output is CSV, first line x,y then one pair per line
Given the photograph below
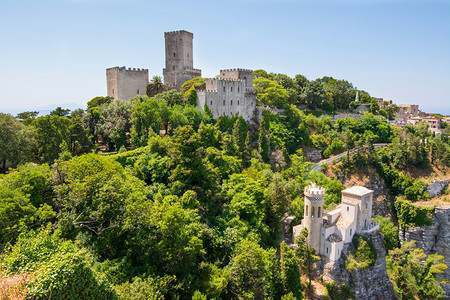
x,y
411,278
155,86
171,97
16,139
61,112
51,131
61,270
115,122
92,200
305,255
240,134
27,117
247,268
389,231
263,143
269,92
290,273
145,119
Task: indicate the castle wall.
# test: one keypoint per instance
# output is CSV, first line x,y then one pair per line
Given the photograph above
x,y
123,83
226,97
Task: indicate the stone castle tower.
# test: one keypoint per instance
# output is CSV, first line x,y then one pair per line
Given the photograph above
x,y
313,215
179,59
123,83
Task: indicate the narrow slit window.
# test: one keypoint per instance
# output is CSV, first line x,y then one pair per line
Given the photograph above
x,y
318,212
224,89
174,54
312,212
224,102
231,89
173,68
210,103
238,102
306,210
137,92
231,102
238,89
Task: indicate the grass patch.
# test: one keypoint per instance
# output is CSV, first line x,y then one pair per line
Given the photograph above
x,y
337,292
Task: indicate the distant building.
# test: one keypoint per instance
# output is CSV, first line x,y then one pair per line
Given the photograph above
x,y
383,102
123,83
179,59
407,111
328,232
230,94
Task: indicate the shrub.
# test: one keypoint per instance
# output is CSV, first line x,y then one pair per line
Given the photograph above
x,y
363,256
59,269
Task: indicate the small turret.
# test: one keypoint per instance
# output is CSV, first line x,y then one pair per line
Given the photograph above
x,y
313,219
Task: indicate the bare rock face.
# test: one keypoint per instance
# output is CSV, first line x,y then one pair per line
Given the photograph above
x,y
437,187
434,239
312,154
371,283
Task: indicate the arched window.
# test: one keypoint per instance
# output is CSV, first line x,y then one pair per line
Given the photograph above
x,y
174,54
173,68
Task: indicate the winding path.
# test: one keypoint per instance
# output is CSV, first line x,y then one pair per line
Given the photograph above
x,y
336,158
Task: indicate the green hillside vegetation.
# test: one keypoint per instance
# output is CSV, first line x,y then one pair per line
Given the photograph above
x,y
182,205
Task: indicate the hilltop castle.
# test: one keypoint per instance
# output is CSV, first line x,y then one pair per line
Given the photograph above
x,y
232,93
328,232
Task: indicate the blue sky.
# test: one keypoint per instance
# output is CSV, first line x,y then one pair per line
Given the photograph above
x,y
56,52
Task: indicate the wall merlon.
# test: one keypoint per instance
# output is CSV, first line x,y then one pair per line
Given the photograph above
x,y
177,32
236,69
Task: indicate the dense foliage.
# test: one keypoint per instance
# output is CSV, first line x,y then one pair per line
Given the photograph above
x,y
181,205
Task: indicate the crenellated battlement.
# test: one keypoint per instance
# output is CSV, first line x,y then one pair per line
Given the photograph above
x,y
236,69
178,32
314,191
124,69
225,79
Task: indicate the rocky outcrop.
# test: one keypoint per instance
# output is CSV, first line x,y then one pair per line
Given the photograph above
x,y
437,187
371,283
434,239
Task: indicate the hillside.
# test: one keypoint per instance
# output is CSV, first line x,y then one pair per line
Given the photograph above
x,y
189,206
